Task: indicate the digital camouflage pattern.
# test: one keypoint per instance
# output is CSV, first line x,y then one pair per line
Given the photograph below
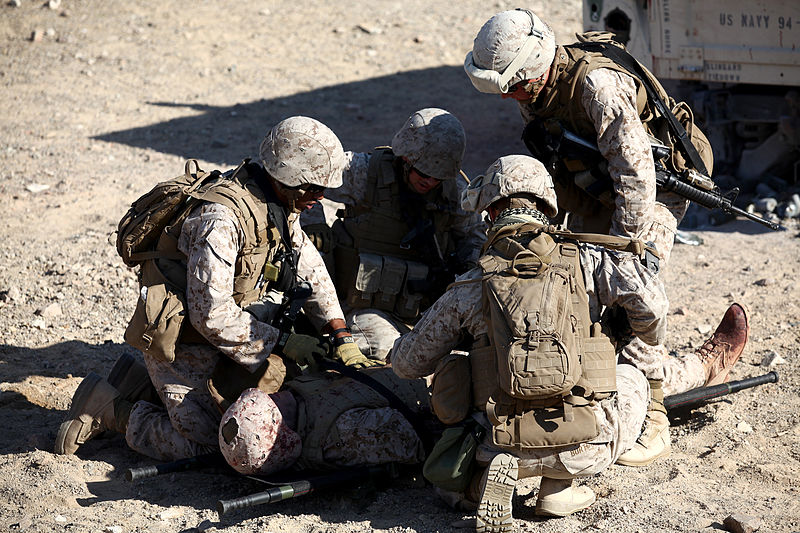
x,y
609,99
372,436
498,43
620,421
511,174
375,331
265,442
433,142
612,278
211,240
254,438
300,150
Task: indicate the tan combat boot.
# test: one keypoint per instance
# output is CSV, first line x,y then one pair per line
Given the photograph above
x,y
654,441
557,497
720,352
494,509
92,412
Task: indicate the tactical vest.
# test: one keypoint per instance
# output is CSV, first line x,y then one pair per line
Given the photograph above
x,y
158,324
376,267
325,397
561,101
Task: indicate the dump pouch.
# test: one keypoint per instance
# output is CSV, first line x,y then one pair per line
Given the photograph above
x,y
451,463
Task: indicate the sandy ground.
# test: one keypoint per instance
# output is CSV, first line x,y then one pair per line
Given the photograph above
x,y
101,100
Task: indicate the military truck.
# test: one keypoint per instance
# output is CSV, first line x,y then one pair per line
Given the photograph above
x,y
736,62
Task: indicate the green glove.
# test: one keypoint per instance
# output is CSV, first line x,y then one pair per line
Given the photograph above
x,y
321,236
349,354
302,349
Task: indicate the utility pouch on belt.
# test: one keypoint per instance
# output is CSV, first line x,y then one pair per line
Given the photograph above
x,y
571,421
157,321
452,461
451,398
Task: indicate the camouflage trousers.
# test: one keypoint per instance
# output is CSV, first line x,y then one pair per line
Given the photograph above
x,y
372,436
620,420
375,331
188,423
679,373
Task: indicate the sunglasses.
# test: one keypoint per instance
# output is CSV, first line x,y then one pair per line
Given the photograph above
x,y
308,188
423,175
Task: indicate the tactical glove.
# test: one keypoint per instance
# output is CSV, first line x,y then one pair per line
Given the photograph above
x,y
303,349
321,236
349,354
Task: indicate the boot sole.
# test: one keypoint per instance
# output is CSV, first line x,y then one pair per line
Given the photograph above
x,y
78,400
494,510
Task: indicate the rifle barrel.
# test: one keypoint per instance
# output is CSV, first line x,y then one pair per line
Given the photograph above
x,y
703,394
669,182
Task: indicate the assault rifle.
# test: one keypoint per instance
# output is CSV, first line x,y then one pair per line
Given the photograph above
x,y
701,395
559,147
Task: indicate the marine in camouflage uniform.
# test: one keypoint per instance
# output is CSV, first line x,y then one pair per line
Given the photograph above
x,y
402,236
515,55
322,422
225,272
611,278
518,190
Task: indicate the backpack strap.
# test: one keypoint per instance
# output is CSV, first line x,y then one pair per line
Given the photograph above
x,y
624,59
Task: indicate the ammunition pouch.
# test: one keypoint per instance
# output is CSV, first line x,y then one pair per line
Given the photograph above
x,y
380,282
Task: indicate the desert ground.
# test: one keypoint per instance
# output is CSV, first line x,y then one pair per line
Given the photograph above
x,y
101,100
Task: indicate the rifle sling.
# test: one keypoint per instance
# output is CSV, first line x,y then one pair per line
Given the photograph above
x,y
394,402
624,59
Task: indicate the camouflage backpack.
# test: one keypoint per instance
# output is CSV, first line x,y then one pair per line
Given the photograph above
x,y
144,236
551,362
143,224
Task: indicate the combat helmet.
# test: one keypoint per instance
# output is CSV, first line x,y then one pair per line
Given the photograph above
x,y
511,174
253,436
512,46
433,142
301,151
